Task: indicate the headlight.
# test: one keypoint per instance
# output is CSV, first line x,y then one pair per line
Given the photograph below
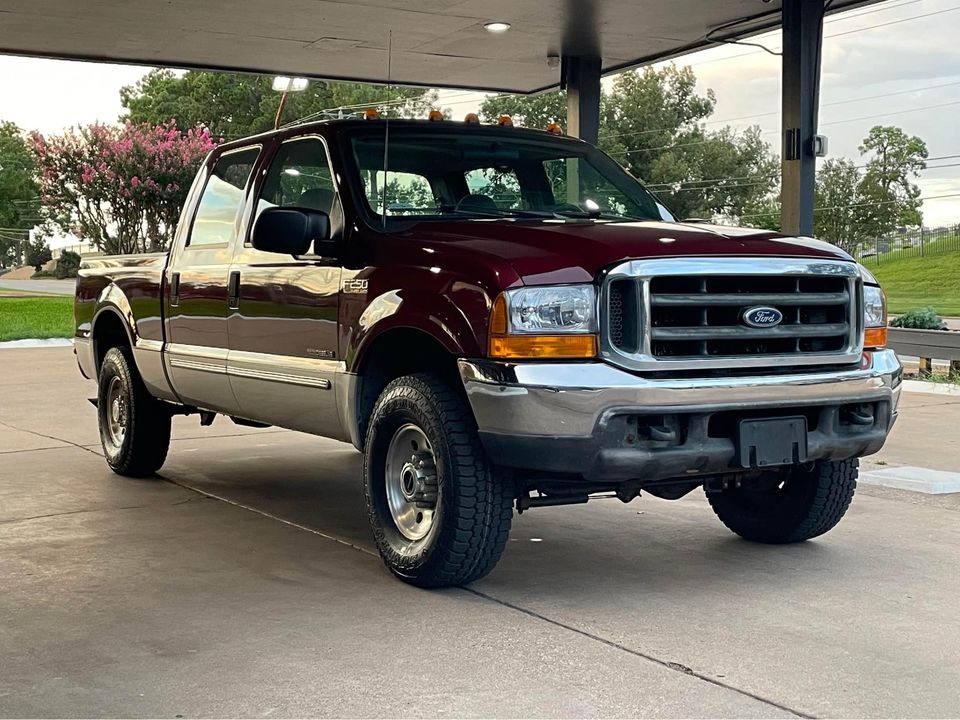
x,y
874,307
537,322
558,309
874,317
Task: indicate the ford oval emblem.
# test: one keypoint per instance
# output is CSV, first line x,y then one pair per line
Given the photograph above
x,y
762,317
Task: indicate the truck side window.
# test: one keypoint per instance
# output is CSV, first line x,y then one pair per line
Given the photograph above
x,y
299,177
219,209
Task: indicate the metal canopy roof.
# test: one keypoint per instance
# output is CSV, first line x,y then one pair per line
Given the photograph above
x,y
435,42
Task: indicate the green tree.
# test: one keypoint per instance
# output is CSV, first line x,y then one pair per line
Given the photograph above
x,y
889,199
233,106
18,193
856,203
408,195
651,123
37,253
837,218
67,265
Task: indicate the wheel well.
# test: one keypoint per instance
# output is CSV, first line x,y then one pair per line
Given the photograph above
x,y
399,352
108,332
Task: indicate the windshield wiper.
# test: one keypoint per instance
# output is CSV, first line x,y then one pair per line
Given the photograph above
x,y
594,215
503,212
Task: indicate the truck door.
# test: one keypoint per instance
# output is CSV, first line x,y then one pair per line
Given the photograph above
x,y
282,322
197,279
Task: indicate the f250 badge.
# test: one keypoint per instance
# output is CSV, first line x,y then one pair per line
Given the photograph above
x,y
762,317
355,285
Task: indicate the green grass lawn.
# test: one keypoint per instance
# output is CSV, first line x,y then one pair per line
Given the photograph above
x,y
916,282
36,317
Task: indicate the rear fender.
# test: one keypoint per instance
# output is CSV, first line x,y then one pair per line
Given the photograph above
x,y
147,354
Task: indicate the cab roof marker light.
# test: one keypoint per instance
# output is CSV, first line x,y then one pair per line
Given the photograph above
x,y
554,128
371,114
505,121
472,119
435,116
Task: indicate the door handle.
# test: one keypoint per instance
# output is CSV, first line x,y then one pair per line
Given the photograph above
x,y
175,289
233,290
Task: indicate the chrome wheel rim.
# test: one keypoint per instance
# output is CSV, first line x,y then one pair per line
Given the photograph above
x,y
116,412
411,482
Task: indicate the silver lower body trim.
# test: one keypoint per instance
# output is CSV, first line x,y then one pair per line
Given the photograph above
x,y
286,378
572,399
197,365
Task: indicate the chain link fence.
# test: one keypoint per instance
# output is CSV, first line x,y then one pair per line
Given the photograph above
x,y
904,243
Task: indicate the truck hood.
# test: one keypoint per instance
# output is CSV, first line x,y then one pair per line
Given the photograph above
x,y
548,251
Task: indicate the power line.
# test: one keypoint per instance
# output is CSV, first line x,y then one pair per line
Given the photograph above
x,y
769,132
846,32
869,204
893,112
667,185
614,136
893,22
884,7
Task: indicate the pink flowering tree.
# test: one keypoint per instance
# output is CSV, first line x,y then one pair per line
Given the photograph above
x,y
119,187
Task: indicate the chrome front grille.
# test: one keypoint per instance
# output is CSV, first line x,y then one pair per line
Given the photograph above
x,y
688,313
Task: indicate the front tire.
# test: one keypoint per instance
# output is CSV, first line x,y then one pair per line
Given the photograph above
x,y
134,426
789,505
439,512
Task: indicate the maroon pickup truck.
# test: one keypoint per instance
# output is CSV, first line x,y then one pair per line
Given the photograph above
x,y
505,319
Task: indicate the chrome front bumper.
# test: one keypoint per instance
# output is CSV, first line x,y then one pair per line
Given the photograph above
x,y
561,416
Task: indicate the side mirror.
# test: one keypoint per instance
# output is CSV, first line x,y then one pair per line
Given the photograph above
x,y
293,231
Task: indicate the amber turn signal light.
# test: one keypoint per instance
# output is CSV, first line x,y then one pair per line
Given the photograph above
x,y
875,338
543,346
498,317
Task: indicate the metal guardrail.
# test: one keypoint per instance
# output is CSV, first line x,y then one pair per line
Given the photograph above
x,y
928,345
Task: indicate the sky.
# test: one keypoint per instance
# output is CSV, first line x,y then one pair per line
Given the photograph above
x,y
896,63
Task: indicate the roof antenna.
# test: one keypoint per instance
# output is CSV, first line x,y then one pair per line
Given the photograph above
x,y
386,128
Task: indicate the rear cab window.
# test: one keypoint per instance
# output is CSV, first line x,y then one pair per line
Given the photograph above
x,y
406,193
501,185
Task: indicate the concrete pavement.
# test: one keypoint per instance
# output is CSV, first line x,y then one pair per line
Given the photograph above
x,y
246,585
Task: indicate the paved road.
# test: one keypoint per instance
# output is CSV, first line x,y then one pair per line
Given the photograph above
x,y
149,598
56,287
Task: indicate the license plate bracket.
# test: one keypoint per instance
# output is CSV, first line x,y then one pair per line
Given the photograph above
x,y
772,441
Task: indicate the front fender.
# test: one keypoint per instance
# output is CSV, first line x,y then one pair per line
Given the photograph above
x,y
435,315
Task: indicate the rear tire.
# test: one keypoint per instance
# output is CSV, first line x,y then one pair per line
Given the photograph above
x,y
790,505
134,426
439,512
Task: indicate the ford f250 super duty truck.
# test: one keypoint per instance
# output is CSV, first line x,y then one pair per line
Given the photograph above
x,y
505,319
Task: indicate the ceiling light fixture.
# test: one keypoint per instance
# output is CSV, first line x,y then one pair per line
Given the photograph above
x,y
496,27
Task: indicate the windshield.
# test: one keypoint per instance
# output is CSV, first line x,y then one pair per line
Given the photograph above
x,y
470,172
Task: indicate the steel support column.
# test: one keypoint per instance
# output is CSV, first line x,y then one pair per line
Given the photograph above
x,y
580,76
802,41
